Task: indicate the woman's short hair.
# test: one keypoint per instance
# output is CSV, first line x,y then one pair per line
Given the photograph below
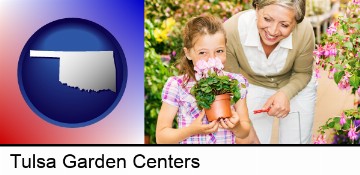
x,y
297,5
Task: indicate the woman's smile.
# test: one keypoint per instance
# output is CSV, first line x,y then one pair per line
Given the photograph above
x,y
270,37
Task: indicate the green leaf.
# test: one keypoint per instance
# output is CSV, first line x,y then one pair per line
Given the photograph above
x,y
331,124
325,127
339,67
357,26
337,126
348,122
243,85
208,90
346,126
338,76
336,119
357,116
349,45
354,81
192,91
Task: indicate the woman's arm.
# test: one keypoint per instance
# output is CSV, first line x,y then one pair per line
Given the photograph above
x,y
303,64
166,134
301,73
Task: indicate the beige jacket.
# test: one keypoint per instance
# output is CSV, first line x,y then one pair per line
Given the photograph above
x,y
297,70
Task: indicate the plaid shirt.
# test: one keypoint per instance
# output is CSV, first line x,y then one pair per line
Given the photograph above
x,y
174,94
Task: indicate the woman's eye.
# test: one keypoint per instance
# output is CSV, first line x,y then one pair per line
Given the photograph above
x,y
266,19
219,51
285,25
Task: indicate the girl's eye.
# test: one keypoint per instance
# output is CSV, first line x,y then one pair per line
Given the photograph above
x,y
202,53
219,51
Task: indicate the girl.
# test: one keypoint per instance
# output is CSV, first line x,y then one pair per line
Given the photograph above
x,y
204,38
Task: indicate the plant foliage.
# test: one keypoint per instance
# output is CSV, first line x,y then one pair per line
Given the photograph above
x,y
211,81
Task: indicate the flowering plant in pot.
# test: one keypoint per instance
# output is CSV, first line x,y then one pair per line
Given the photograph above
x,y
214,87
339,54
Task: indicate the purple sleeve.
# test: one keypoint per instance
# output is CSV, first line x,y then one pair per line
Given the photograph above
x,y
170,92
243,84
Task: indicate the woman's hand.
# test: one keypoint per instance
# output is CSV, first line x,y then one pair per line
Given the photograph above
x,y
230,123
279,104
197,127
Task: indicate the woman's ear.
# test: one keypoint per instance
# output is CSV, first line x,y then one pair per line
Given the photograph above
x,y
186,51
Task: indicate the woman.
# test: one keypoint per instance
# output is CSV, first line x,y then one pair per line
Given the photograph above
x,y
272,46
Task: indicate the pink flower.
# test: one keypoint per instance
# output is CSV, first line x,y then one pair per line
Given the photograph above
x,y
352,133
317,73
351,31
330,50
331,30
342,119
333,50
206,7
356,2
198,76
218,64
358,91
211,63
320,139
165,57
317,60
201,69
319,51
223,5
331,73
344,82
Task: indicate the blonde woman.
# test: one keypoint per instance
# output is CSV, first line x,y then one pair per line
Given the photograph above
x,y
272,46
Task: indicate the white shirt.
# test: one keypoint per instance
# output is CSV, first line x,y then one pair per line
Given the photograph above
x,y
254,52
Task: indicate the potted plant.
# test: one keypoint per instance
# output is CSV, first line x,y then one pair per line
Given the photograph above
x,y
339,54
214,91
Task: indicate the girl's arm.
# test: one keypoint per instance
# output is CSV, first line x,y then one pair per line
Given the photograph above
x,y
166,134
242,110
251,139
242,130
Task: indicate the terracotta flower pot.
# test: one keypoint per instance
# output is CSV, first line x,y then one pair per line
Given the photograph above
x,y
220,108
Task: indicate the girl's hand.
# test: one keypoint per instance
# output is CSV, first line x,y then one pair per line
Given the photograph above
x,y
280,105
230,123
199,128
